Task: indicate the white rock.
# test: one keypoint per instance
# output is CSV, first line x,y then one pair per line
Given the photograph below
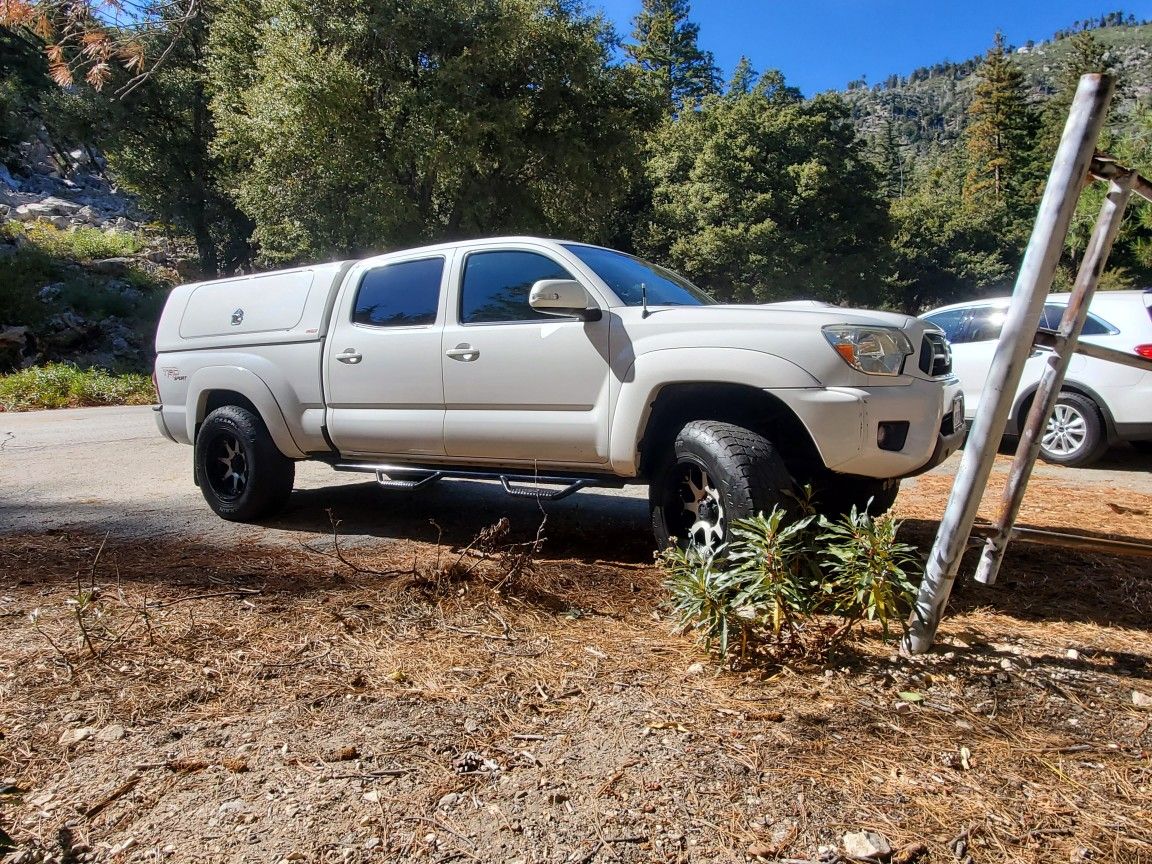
x,y
866,845
122,846
1141,700
110,733
233,806
447,802
696,669
60,205
372,797
73,737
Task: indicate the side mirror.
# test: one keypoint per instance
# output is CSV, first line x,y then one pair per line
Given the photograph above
x,y
565,297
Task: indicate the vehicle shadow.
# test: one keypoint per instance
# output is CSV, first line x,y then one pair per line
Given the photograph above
x,y
1050,583
1119,457
588,526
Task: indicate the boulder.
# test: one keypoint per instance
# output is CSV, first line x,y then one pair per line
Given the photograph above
x,y
50,293
60,205
13,337
113,266
7,180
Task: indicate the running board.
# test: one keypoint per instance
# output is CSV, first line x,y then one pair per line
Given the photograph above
x,y
408,477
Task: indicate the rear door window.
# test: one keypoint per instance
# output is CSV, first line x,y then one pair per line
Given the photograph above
x,y
1093,326
405,294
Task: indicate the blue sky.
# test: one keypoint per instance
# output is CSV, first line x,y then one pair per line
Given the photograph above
x,y
824,44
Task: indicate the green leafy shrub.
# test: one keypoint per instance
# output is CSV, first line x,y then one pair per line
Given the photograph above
x,y
771,588
78,244
60,385
869,571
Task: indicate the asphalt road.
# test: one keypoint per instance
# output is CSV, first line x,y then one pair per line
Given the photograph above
x,y
109,469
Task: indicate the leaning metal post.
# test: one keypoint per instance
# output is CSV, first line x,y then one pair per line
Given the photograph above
x,y
1069,171
1095,257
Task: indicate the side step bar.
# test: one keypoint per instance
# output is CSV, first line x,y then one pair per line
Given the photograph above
x,y
517,485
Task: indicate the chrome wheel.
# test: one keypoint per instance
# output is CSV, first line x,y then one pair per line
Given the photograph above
x,y
1066,432
702,508
227,467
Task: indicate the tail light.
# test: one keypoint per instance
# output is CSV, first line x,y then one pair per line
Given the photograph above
x,y
1144,351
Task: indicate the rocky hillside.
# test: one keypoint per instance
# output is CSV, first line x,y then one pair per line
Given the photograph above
x,y
82,272
929,105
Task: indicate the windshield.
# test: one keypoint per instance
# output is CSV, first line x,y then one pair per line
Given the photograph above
x,y
625,274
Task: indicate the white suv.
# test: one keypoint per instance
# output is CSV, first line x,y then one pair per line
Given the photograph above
x,y
1100,402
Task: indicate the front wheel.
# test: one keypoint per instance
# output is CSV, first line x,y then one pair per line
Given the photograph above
x,y
242,475
714,474
1074,435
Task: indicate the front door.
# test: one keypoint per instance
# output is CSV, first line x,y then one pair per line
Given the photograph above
x,y
383,385
520,385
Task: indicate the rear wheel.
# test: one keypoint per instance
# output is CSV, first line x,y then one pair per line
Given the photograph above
x,y
242,474
714,474
1074,435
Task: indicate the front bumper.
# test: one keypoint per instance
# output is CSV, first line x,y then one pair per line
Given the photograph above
x,y
844,423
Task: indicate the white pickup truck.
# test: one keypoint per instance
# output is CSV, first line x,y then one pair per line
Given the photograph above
x,y
548,366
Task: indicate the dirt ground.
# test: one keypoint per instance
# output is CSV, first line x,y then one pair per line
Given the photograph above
x,y
170,700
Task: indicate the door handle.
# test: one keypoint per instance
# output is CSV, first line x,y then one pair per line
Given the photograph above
x,y
464,352
350,355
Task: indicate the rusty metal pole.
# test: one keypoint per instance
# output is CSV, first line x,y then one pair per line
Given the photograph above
x,y
1072,322
1069,172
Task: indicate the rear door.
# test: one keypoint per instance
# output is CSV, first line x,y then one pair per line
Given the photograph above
x,y
383,381
519,385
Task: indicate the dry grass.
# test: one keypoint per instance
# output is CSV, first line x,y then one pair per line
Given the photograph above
x,y
415,702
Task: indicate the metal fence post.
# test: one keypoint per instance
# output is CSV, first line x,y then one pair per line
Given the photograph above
x,y
1069,172
1072,322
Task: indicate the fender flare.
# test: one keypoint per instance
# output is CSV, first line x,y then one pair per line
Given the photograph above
x,y
655,370
251,387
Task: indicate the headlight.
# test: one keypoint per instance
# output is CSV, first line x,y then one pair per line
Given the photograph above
x,y
873,350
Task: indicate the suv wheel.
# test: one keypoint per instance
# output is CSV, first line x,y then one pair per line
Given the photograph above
x,y
714,474
242,475
1074,435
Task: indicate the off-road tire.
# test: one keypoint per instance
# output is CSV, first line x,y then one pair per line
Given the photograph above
x,y
1078,413
241,473
746,472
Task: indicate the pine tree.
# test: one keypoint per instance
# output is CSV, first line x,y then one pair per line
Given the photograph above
x,y
743,78
997,136
665,49
888,147
1085,54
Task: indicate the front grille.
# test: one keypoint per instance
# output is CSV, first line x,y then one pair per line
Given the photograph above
x,y
935,355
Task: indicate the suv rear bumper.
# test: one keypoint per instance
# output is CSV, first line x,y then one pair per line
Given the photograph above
x,y
844,423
